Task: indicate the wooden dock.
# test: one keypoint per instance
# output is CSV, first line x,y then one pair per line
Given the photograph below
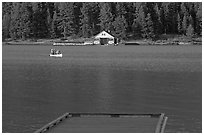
x,y
106,123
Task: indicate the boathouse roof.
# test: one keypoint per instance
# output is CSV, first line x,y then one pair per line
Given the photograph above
x,y
104,34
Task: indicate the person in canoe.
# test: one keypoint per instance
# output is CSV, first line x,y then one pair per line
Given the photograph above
x,y
53,51
58,52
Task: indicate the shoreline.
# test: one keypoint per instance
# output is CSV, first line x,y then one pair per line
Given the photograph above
x,y
75,42
131,44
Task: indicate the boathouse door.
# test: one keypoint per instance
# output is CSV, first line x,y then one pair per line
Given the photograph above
x,y
103,41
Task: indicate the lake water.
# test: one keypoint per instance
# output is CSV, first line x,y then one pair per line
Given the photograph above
x,y
36,88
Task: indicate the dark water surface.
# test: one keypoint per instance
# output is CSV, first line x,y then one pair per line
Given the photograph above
x,y
36,89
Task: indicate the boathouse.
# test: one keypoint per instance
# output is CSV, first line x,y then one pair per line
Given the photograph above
x,y
104,38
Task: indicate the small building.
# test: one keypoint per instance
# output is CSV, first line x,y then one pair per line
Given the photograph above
x,y
104,38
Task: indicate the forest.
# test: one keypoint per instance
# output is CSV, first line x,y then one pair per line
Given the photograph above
x,y
125,20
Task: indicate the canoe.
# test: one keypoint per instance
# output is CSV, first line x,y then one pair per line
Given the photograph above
x,y
55,55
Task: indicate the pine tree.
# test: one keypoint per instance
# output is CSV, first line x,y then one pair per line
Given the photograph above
x,y
77,15
190,20
5,26
39,23
164,12
106,17
163,22
50,16
190,31
157,21
26,20
139,21
120,9
148,28
6,19
14,20
53,26
130,12
94,12
85,21
199,18
179,26
120,26
184,8
7,8
184,24
172,18
120,23
20,21
66,19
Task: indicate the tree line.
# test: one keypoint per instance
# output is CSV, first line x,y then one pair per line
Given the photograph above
x,y
33,20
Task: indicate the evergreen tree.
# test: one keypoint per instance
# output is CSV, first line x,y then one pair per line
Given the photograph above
x,y
66,19
120,23
192,13
199,18
94,12
50,17
90,19
77,15
184,24
14,20
120,9
7,8
53,33
106,17
153,10
39,20
139,21
120,26
20,21
6,19
26,14
190,31
184,8
158,23
148,28
165,17
171,18
179,26
130,17
5,26
85,21
190,20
